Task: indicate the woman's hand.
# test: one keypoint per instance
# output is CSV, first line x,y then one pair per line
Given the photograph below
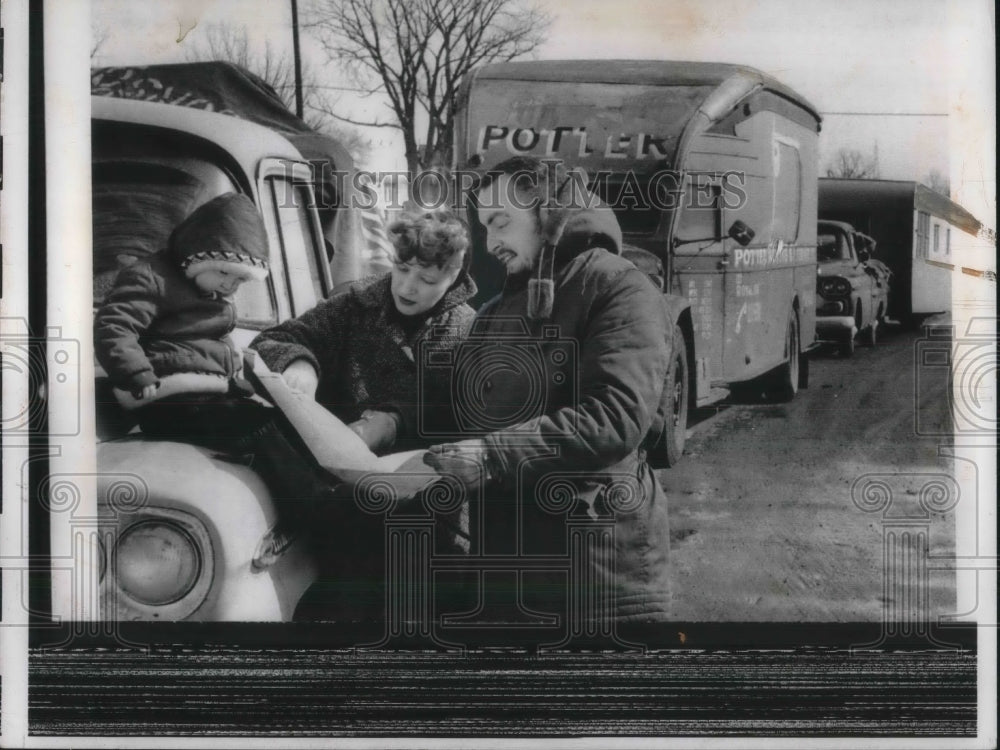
x,y
377,429
147,392
302,377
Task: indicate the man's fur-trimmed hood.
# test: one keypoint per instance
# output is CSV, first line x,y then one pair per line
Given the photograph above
x,y
573,220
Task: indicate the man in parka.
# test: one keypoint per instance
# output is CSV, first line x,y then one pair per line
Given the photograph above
x,y
557,389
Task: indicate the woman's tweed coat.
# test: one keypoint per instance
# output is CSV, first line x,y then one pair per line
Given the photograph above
x,y
363,357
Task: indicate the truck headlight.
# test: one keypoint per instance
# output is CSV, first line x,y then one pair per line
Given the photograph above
x,y
157,562
834,286
161,566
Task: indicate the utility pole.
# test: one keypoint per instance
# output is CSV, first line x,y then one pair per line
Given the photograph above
x,y
297,58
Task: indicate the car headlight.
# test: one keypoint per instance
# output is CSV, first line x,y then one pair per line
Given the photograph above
x,y
834,286
162,566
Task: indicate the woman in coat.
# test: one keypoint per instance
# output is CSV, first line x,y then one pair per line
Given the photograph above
x,y
358,354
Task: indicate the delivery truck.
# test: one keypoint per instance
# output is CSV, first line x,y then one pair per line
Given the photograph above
x,y
711,168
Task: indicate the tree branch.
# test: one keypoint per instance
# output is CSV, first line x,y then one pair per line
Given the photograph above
x,y
419,50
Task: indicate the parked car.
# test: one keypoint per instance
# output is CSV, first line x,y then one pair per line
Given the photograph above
x,y
853,287
926,239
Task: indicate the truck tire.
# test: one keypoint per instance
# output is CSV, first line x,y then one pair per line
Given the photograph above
x,y
847,345
847,348
871,335
786,380
676,389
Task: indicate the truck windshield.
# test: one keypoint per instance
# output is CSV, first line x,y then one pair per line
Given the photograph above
x,y
136,205
832,246
629,199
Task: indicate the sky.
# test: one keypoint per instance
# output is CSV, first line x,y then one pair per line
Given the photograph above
x,y
914,79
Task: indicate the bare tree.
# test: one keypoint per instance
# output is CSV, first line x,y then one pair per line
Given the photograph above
x,y
938,183
223,41
98,36
851,163
228,42
416,52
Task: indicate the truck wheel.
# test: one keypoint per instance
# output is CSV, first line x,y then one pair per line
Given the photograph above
x,y
871,335
675,387
847,345
787,377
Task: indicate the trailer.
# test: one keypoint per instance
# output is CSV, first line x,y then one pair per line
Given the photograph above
x,y
924,238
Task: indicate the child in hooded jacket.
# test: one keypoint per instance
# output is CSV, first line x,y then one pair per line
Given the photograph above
x,y
164,328
162,336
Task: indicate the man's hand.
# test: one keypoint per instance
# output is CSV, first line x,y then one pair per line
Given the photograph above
x,y
377,429
465,460
302,377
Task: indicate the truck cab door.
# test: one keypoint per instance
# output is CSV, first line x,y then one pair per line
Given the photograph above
x,y
699,274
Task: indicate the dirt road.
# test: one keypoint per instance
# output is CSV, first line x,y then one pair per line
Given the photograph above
x,y
764,526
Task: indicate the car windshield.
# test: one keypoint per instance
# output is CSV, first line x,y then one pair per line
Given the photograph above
x,y
864,242
832,246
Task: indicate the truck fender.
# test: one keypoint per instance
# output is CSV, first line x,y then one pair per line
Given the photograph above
x,y
676,305
230,503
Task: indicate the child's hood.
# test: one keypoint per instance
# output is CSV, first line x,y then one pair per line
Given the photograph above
x,y
227,229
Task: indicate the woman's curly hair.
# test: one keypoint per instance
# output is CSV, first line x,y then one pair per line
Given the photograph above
x,y
432,237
